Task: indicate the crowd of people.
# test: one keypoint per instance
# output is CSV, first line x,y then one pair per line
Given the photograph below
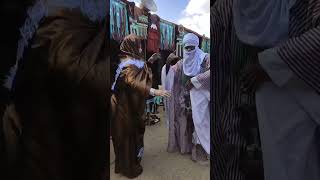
x,y
56,85
185,87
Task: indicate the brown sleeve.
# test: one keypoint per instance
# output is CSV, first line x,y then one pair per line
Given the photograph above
x,y
138,79
76,49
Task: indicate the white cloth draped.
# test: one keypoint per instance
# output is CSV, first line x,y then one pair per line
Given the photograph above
x,y
192,60
201,117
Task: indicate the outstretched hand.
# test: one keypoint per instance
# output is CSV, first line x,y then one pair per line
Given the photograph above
x,y
162,93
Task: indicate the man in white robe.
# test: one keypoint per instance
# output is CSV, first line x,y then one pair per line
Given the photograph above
x,y
196,66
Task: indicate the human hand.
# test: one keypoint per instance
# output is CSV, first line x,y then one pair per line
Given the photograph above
x,y
189,85
162,93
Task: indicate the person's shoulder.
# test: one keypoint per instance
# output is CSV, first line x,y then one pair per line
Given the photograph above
x,y
179,63
133,67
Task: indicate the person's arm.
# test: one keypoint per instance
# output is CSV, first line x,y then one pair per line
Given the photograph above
x,y
203,80
275,67
138,79
141,81
298,56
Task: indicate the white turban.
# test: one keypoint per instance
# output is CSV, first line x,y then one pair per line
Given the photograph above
x,y
192,60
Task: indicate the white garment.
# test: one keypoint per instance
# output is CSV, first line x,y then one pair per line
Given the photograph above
x,y
163,85
201,117
163,76
190,39
153,26
168,84
192,60
289,115
197,85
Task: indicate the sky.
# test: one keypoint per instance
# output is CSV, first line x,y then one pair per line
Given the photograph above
x,y
192,14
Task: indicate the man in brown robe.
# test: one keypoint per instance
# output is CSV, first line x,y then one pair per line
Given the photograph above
x,y
131,88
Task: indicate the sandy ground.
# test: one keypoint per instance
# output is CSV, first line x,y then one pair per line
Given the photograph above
x,y
158,164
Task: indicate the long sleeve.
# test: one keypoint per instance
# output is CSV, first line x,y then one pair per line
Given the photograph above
x,y
203,79
221,14
302,55
138,79
276,68
221,47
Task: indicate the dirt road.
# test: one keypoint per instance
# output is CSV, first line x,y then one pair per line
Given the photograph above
x,y
158,164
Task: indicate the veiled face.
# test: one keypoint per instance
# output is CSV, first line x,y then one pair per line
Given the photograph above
x,y
189,48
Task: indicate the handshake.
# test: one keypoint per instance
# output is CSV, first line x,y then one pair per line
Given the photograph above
x,y
160,92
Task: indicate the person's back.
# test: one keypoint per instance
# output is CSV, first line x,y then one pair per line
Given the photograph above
x,y
63,129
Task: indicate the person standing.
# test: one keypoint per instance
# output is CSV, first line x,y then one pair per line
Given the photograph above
x,y
131,87
180,125
196,68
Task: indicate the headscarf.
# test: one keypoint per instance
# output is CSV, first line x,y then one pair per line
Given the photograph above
x,y
131,46
262,23
171,60
192,60
155,57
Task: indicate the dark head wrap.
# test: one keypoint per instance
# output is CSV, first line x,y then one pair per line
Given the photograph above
x,y
131,46
171,60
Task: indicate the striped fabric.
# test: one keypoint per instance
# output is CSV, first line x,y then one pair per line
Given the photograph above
x,y
204,78
301,53
230,56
